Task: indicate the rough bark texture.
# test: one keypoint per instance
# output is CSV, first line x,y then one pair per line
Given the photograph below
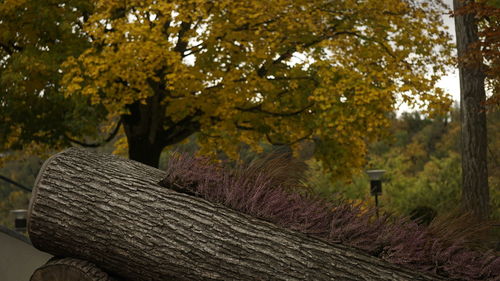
x,y
112,212
148,130
475,193
69,269
143,127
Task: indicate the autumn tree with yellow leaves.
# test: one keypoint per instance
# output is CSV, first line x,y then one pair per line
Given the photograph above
x,y
281,71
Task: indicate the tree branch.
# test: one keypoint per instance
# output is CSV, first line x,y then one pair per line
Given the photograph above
x,y
108,139
194,49
258,108
23,187
181,45
263,70
180,130
243,128
10,49
269,139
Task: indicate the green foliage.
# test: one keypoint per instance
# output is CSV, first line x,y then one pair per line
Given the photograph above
x,y
422,160
438,186
494,3
35,38
320,180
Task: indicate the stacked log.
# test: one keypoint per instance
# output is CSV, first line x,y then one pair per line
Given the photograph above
x,y
111,216
70,269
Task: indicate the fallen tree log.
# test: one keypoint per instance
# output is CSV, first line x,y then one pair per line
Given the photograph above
x,y
112,212
69,269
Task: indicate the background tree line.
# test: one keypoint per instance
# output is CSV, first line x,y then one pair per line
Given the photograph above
x,y
421,156
320,74
423,163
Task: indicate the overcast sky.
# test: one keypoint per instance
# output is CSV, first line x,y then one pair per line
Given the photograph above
x,y
451,82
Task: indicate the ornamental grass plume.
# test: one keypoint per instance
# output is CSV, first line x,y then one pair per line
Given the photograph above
x,y
272,188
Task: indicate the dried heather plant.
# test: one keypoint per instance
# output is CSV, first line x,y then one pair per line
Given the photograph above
x,y
456,225
271,188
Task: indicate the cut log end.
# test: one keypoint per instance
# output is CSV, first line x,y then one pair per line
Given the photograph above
x,y
70,269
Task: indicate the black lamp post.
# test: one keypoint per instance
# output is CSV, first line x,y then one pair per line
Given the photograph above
x,y
375,184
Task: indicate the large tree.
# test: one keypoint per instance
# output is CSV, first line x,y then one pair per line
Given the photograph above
x,y
246,71
475,192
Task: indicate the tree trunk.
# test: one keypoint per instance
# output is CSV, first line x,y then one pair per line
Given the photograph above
x,y
149,131
475,193
69,269
143,127
113,213
141,150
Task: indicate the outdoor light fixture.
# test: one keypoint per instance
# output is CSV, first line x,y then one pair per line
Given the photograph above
x,y
375,184
20,219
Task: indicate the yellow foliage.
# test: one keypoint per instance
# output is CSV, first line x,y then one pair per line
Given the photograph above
x,y
121,146
280,71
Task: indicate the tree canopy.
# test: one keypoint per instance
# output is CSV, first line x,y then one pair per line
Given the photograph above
x,y
35,38
237,72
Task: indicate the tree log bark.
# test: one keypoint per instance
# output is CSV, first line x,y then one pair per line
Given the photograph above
x,y
69,269
113,213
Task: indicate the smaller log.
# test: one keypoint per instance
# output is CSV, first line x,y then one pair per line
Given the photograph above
x,y
70,269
